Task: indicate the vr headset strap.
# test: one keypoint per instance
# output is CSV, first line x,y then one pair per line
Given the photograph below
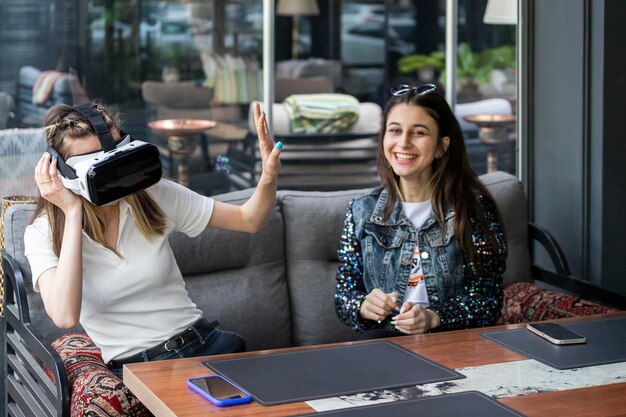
x,y
99,125
67,171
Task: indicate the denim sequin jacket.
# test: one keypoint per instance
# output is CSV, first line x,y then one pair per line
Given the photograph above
x,y
377,253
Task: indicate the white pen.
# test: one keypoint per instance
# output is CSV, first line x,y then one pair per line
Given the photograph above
x,y
394,319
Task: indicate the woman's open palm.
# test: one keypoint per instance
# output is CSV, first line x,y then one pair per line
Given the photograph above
x,y
269,152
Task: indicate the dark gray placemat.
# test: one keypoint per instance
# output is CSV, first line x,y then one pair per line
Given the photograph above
x,y
303,375
606,343
468,403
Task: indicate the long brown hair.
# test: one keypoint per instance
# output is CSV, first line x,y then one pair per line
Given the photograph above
x,y
63,124
453,182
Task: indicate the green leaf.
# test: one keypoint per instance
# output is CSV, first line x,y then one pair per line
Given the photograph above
x,y
414,62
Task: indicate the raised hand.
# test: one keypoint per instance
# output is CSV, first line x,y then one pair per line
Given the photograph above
x,y
51,188
378,305
269,152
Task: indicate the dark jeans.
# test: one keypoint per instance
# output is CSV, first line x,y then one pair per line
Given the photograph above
x,y
211,342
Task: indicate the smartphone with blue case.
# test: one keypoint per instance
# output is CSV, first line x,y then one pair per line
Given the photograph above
x,y
219,391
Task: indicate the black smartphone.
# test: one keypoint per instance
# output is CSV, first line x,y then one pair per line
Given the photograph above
x,y
555,333
219,391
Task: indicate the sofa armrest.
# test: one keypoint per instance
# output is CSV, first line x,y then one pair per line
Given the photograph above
x,y
539,234
568,296
94,387
583,289
562,277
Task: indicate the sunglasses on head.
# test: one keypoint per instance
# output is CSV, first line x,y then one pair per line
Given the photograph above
x,y
403,89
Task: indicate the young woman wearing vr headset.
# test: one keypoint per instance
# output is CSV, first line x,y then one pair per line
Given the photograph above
x,y
98,243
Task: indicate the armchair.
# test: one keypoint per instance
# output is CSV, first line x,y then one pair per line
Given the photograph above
x,y
322,162
31,114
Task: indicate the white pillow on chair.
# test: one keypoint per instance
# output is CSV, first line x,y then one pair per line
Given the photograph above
x,y
370,117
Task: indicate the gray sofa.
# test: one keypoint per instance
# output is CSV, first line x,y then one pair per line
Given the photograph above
x,y
275,287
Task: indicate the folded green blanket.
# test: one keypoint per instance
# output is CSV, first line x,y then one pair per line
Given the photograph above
x,y
321,113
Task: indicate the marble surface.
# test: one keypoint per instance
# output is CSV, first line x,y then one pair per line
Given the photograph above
x,y
507,379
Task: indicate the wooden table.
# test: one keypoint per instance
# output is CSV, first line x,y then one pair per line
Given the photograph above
x,y
161,386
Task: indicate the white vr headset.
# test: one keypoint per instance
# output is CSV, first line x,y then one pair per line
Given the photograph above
x,y
114,172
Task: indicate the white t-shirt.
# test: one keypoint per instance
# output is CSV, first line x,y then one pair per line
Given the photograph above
x,y
139,300
415,291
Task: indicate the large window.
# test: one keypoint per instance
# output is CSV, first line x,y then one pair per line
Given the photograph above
x,y
129,42
202,50
404,43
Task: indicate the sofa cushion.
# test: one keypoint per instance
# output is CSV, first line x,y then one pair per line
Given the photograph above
x,y
239,278
525,302
511,200
95,390
313,224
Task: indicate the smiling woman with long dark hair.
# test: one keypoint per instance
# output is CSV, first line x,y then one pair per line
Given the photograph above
x,y
427,249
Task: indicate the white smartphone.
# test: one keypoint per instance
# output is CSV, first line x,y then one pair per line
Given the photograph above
x,y
555,333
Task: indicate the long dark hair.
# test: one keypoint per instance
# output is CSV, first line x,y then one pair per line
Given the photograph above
x,y
453,182
62,124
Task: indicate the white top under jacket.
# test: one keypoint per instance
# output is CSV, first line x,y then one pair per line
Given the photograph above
x,y
415,292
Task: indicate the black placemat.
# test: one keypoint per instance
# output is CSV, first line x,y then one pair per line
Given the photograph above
x,y
303,375
468,403
606,343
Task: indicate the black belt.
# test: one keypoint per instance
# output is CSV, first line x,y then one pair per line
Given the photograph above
x,y
188,335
